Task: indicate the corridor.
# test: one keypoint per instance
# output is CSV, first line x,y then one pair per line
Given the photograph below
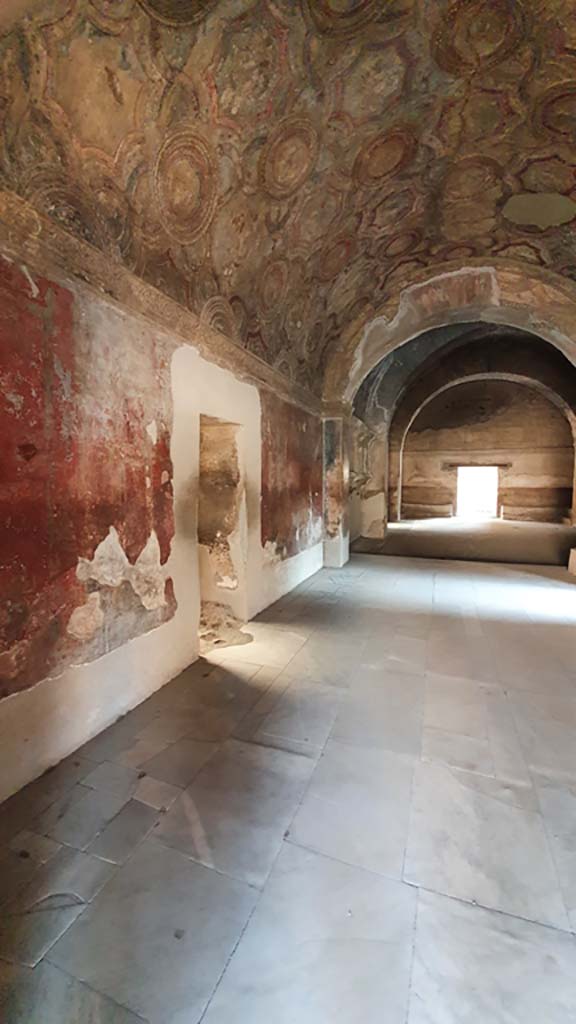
x,y
367,814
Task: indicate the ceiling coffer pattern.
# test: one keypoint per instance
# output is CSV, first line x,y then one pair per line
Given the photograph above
x,y
281,166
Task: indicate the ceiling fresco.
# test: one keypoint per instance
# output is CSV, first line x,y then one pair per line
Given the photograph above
x,y
280,166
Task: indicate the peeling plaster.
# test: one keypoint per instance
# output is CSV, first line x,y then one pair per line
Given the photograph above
x,y
33,286
86,620
147,576
152,431
110,567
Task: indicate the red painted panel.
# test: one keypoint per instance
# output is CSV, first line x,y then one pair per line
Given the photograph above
x,y
75,460
291,477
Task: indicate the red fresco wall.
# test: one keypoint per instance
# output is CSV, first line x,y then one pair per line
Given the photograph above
x,y
76,395
291,477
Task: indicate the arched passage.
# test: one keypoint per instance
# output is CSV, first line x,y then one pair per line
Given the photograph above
x,y
509,422
402,386
531,300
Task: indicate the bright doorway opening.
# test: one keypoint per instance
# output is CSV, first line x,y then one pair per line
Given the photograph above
x,y
477,495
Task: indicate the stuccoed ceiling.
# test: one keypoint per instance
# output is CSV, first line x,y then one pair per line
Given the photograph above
x,y
280,166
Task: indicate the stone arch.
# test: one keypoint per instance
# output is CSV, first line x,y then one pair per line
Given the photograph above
x,y
530,299
409,413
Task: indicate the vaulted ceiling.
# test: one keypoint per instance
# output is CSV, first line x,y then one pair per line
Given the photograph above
x,y
279,166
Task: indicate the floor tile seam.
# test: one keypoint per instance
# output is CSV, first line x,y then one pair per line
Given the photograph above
x,y
547,837
169,744
306,788
120,864
289,841
218,744
27,824
276,746
200,863
569,932
363,746
410,815
45,956
236,944
412,957
81,798
149,835
91,987
261,891
252,710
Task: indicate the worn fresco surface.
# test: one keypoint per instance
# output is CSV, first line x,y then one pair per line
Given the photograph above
x,y
284,167
291,478
86,517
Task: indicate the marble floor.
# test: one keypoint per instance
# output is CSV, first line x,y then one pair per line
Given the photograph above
x,y
365,814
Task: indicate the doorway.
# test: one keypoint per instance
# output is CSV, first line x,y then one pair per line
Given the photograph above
x,y
477,492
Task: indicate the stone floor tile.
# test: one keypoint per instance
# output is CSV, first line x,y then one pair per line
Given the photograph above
x,y
456,705
15,874
327,942
19,811
465,843
138,751
123,834
30,846
112,741
557,799
156,793
509,761
458,751
303,711
382,710
54,897
179,763
477,966
159,936
548,743
112,778
46,995
357,807
235,813
78,820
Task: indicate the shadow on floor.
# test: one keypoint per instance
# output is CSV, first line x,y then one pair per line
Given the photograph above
x,y
477,541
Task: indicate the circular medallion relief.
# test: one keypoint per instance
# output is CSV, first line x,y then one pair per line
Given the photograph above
x,y
185,185
400,244
473,178
383,156
218,314
70,205
178,12
479,33
288,158
335,258
274,287
556,111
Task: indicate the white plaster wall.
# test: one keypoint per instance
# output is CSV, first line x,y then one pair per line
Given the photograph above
x,y
40,726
